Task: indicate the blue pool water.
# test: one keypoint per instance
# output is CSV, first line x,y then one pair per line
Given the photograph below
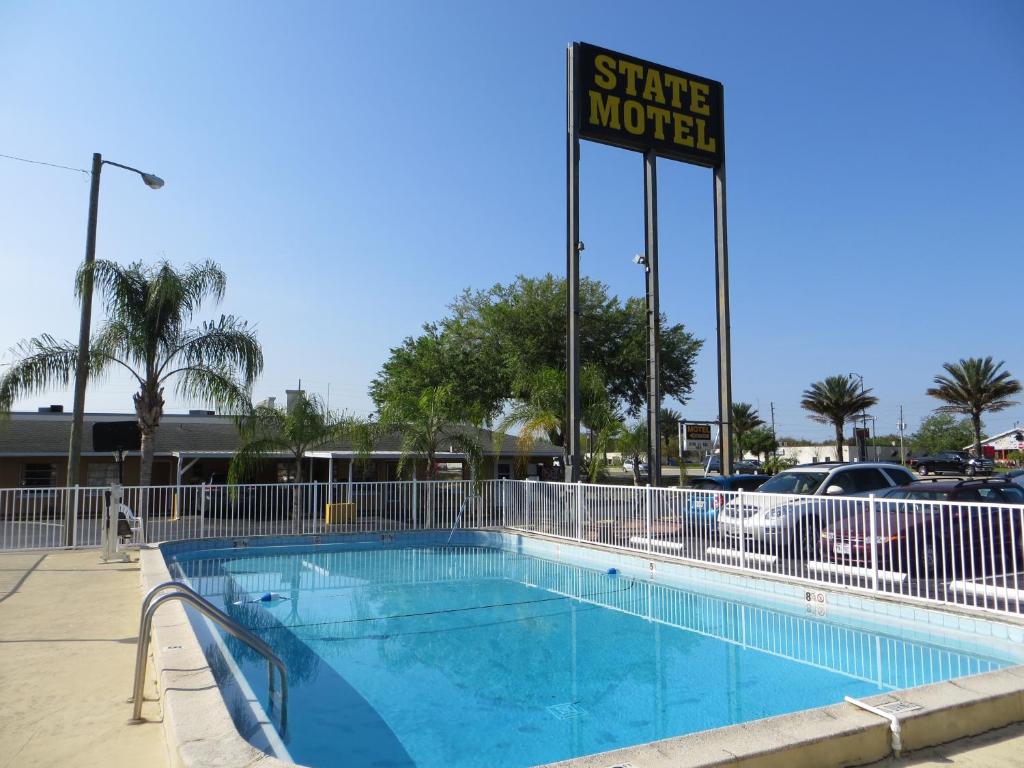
x,y
468,656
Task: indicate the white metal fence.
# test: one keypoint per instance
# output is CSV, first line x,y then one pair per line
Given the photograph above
x,y
968,554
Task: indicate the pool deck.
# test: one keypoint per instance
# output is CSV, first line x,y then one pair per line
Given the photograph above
x,y
68,627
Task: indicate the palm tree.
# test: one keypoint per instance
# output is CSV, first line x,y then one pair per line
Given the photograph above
x,y
835,400
542,414
744,419
305,425
632,442
147,334
668,424
429,421
973,386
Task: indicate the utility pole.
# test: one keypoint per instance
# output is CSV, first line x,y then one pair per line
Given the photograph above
x,y
775,439
902,425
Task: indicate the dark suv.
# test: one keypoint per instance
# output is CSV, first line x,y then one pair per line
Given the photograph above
x,y
935,527
960,462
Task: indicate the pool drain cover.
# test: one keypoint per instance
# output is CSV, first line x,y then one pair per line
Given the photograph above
x,y
567,711
898,707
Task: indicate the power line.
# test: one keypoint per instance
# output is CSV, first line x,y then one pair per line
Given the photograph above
x,y
40,162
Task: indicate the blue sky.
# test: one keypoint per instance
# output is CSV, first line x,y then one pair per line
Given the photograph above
x,y
354,166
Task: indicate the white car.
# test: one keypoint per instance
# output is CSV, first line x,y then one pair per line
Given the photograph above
x,y
628,465
780,513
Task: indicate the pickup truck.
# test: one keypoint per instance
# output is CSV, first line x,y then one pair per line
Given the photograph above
x,y
960,462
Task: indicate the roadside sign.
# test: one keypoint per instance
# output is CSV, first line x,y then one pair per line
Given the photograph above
x,y
696,437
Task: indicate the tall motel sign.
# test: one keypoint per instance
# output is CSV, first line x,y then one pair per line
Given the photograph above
x,y
634,104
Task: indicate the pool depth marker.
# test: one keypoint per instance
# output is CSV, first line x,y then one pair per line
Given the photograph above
x,y
634,104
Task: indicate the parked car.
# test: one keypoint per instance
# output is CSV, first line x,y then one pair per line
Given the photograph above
x,y
788,511
627,465
740,467
712,492
1017,475
746,467
934,528
960,462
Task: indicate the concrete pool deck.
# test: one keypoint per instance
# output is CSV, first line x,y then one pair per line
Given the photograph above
x,y
68,627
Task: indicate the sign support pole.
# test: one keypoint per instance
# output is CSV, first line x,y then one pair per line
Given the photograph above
x,y
724,331
653,317
572,366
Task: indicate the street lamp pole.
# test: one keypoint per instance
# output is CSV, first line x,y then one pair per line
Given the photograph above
x,y
85,322
861,446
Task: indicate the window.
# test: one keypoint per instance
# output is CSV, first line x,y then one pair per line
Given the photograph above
x,y
1013,495
99,475
38,475
899,475
869,479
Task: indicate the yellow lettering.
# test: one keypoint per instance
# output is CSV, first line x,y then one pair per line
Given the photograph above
x,y
633,117
702,141
604,110
632,72
699,98
678,86
652,87
661,118
605,66
682,124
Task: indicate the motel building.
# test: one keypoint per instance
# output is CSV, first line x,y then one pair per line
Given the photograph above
x,y
197,447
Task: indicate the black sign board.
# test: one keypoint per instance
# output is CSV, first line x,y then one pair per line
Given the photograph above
x,y
116,436
697,431
635,104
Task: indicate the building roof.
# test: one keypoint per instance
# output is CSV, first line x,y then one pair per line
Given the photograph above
x,y
48,434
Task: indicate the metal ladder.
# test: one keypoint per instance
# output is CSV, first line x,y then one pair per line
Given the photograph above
x,y
175,590
458,517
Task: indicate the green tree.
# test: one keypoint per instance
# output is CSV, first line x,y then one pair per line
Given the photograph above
x,y
974,386
941,432
744,419
493,345
835,400
542,414
306,425
632,442
429,420
147,333
761,442
668,424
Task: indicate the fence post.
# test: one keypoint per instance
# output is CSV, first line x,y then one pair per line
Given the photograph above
x,y
74,518
647,502
202,510
579,510
743,532
504,502
415,502
529,504
874,543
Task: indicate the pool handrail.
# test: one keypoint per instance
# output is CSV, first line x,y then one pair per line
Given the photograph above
x,y
175,590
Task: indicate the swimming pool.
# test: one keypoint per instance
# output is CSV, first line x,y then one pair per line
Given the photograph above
x,y
404,652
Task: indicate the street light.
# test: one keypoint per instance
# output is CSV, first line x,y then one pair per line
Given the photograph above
x,y
861,446
653,399
82,363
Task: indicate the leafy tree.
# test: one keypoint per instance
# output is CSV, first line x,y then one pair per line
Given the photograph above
x,y
437,359
973,386
761,442
835,400
494,346
744,419
147,333
941,432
